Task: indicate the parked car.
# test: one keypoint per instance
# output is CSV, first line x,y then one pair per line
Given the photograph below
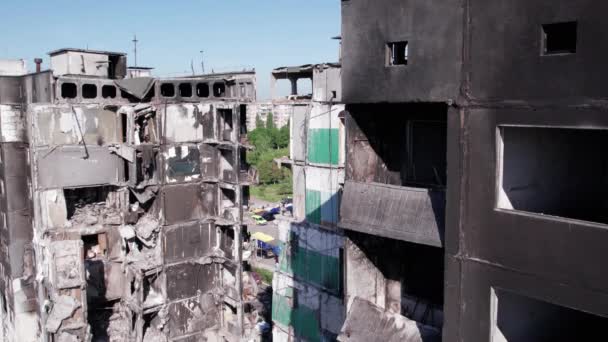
x,y
268,216
259,220
275,211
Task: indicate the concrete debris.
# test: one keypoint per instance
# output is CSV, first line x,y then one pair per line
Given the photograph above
x,y
65,337
124,151
63,308
368,322
127,232
146,195
147,229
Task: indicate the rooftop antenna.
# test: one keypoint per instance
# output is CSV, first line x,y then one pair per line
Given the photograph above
x,y
202,62
135,47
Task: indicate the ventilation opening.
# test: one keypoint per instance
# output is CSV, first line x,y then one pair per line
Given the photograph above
x,y
89,91
202,90
397,53
559,38
520,319
68,90
219,89
108,92
575,184
185,90
167,90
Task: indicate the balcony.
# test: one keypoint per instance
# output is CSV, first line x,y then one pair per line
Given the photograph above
x,y
403,213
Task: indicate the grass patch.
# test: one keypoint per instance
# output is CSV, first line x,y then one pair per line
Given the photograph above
x,y
271,192
265,274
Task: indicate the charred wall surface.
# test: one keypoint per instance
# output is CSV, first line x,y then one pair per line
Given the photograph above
x,y
507,203
521,82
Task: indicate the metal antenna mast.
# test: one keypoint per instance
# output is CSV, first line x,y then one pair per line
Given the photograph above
x,y
202,62
135,48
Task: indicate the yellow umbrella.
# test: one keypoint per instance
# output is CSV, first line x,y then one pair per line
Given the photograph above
x,y
262,237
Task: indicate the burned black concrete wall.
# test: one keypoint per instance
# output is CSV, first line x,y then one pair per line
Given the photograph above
x,y
502,204
425,35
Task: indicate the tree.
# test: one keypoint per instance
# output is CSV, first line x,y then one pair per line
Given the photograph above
x,y
270,121
282,137
258,122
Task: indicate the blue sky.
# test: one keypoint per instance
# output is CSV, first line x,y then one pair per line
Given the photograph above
x,y
233,33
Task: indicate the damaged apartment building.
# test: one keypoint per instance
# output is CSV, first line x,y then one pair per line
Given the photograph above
x,y
121,203
474,204
308,284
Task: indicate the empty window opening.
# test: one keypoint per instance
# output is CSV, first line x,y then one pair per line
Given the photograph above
x,y
573,187
559,38
108,91
185,90
246,195
89,91
151,327
229,210
304,87
397,53
227,241
202,90
152,290
95,246
124,123
69,90
228,198
145,165
184,164
517,318
225,122
243,89
219,89
427,153
411,288
167,90
243,119
227,165
82,203
410,146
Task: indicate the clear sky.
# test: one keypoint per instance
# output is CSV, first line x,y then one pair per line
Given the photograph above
x,y
233,33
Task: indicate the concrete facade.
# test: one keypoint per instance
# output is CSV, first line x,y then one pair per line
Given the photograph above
x,y
308,284
121,204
